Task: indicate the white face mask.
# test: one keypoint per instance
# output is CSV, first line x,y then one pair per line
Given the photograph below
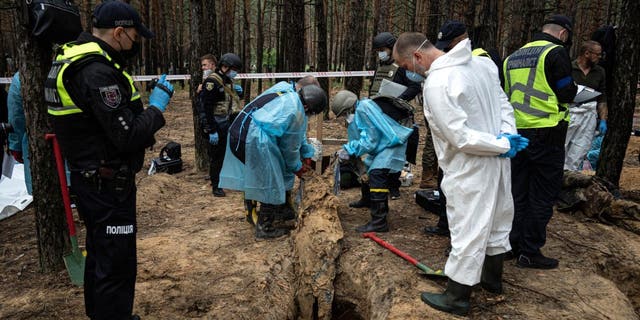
x,y
350,118
232,74
206,73
383,55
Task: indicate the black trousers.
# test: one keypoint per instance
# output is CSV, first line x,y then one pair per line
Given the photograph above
x,y
536,178
216,158
110,268
379,182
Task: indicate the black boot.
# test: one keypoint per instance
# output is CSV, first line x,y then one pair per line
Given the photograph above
x,y
455,299
264,226
491,279
379,210
365,199
286,210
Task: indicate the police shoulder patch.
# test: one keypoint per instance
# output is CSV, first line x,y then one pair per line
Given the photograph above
x,y
111,96
210,86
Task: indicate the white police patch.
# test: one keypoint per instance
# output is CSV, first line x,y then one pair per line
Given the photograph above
x,y
111,96
439,35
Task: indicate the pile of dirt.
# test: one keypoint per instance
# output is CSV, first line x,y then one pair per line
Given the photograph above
x,y
198,258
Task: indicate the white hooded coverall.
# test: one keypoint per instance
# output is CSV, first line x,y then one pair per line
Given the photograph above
x,y
466,110
580,133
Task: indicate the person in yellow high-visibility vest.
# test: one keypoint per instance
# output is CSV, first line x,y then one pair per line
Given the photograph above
x,y
539,85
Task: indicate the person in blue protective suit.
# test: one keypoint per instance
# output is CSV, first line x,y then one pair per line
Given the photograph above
x,y
390,71
267,147
18,140
383,139
474,134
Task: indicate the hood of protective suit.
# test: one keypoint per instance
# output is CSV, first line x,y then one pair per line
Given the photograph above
x,y
459,54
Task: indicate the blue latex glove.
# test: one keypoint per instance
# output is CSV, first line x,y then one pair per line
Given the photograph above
x,y
517,143
602,127
238,89
159,97
214,138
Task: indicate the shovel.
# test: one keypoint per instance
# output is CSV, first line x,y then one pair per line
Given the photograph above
x,y
421,266
74,261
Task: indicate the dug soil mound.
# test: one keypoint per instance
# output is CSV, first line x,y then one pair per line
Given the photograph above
x,y
198,257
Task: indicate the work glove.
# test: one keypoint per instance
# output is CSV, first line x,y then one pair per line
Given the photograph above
x,y
17,155
238,89
343,155
602,127
161,94
214,138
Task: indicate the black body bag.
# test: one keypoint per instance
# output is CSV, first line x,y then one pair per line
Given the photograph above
x,y
54,21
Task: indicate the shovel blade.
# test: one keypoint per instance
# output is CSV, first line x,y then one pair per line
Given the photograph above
x,y
74,262
75,267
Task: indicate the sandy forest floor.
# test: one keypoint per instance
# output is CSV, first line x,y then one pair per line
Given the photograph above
x,y
198,258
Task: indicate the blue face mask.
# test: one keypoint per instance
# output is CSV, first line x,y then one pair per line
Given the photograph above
x,y
232,74
412,76
383,55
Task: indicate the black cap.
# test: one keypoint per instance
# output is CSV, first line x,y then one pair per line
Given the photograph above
x,y
560,20
449,31
112,14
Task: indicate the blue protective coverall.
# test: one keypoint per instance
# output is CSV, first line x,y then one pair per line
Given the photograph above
x,y
383,139
274,146
18,140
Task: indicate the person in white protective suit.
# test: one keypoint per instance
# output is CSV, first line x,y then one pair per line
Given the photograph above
x,y
584,115
474,134
267,146
380,129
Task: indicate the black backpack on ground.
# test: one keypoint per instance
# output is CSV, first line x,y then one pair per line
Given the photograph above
x,y
169,160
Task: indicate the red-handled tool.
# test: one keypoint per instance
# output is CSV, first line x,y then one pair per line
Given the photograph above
x,y
421,266
74,261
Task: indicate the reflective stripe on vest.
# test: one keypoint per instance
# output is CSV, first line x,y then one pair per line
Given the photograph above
x,y
479,52
59,102
534,102
384,71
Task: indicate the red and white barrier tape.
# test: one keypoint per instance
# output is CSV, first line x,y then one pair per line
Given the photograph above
x,y
280,75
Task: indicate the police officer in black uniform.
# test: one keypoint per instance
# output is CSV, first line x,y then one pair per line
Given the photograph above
x,y
103,129
219,103
387,69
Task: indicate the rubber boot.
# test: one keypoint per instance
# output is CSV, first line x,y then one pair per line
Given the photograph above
x,y
455,299
491,279
251,211
286,209
379,210
264,226
365,198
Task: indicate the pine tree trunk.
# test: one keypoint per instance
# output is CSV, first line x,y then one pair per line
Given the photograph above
x,y
260,39
322,62
208,30
246,48
293,36
201,157
622,102
53,239
355,45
